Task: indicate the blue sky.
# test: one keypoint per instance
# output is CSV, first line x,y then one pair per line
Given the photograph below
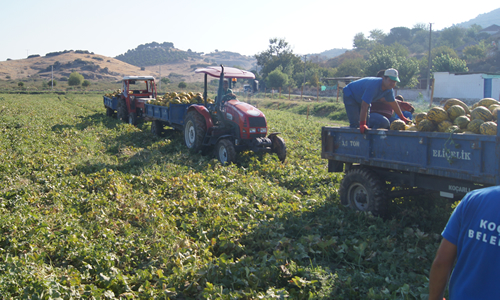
x,y
110,27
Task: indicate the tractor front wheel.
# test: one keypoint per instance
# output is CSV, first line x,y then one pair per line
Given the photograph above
x,y
225,152
363,190
279,147
194,130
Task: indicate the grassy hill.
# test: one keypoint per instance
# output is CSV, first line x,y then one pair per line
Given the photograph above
x,y
102,68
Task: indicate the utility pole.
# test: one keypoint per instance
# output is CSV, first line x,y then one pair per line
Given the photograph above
x,y
160,80
305,58
429,61
304,82
52,81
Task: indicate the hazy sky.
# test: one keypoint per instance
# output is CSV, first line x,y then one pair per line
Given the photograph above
x,y
110,27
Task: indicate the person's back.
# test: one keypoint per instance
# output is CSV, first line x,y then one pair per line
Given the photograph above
x,y
474,228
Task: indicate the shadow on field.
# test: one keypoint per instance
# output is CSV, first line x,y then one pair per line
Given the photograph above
x,y
87,121
334,252
127,147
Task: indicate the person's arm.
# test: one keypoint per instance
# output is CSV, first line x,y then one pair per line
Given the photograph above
x,y
363,114
397,110
441,269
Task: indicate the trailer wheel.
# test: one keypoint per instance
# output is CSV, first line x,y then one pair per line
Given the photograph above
x,y
156,127
109,111
121,111
279,147
132,118
225,152
194,131
362,190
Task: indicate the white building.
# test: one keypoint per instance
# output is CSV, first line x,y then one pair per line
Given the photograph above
x,y
468,87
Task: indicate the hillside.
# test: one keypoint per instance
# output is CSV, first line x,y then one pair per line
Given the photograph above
x,y
484,20
100,67
156,54
91,66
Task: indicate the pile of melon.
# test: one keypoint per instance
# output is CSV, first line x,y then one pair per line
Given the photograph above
x,y
115,93
455,116
179,98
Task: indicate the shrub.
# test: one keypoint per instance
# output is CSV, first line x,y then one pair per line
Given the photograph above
x,y
75,78
86,83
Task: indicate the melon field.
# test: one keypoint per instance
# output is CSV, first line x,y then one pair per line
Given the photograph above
x,y
94,208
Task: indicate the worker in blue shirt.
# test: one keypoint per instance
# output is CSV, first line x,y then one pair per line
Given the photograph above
x,y
471,248
359,94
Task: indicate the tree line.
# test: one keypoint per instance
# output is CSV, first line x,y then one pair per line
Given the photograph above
x,y
154,53
453,49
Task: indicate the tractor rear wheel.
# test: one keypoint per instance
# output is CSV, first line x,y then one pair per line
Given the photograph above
x,y
363,190
279,147
156,127
121,111
194,131
225,152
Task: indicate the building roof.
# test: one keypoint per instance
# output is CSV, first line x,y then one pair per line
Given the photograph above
x,y
491,29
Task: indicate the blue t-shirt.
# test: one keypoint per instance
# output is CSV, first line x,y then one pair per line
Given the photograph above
x,y
368,89
474,227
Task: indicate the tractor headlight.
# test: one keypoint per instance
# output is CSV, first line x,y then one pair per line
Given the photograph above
x,y
263,130
253,130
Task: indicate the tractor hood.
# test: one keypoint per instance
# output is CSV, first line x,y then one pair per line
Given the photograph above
x,y
245,109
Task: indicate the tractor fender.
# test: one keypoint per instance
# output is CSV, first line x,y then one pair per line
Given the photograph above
x,y
273,134
202,110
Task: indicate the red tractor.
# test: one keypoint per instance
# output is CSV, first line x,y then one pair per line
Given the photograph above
x,y
228,124
129,104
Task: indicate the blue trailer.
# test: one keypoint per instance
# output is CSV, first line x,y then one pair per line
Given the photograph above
x,y
379,160
111,105
160,116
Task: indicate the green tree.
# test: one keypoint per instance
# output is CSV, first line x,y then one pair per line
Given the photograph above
x,y
452,36
182,85
377,36
351,67
400,35
445,63
86,83
75,79
408,72
442,50
381,57
475,52
51,83
394,56
279,54
165,80
314,80
360,41
277,78
20,84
